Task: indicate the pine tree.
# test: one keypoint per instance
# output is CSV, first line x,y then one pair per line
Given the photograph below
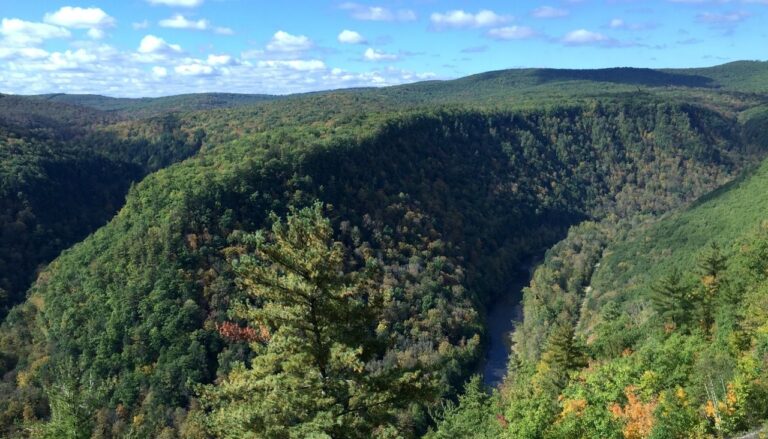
x,y
712,264
313,373
672,299
563,354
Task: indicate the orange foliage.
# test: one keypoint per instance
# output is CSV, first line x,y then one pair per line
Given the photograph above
x,y
234,332
636,414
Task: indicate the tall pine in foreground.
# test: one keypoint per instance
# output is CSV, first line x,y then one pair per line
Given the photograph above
x,y
319,368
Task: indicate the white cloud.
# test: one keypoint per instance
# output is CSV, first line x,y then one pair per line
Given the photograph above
x,y
549,12
178,3
179,22
725,19
102,69
69,60
220,60
284,42
618,23
377,13
583,36
151,44
158,67
93,19
80,18
140,24
372,54
95,33
512,33
458,19
24,52
194,69
294,64
20,32
350,37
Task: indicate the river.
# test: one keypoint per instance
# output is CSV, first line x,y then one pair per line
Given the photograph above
x,y
500,319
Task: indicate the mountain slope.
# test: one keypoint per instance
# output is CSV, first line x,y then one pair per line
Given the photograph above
x,y
449,200
656,326
64,171
446,186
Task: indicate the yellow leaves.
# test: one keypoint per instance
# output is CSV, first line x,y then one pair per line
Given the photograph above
x,y
444,348
637,415
24,377
37,300
681,395
730,398
709,281
573,406
710,411
382,327
724,412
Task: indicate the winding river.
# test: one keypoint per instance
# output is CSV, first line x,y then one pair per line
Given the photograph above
x,y
500,319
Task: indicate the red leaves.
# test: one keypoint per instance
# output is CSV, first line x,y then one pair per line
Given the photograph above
x,y
236,333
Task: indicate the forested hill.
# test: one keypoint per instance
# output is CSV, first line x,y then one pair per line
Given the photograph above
x,y
64,171
654,327
321,263
144,107
533,84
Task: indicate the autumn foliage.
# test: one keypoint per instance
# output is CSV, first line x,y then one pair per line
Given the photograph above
x,y
637,415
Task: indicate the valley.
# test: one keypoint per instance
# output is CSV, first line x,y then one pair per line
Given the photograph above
x,y
350,262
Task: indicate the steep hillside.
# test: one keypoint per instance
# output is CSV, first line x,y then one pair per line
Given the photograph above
x,y
654,327
447,201
724,217
64,171
284,265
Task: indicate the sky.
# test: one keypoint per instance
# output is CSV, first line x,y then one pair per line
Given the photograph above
x,y
134,48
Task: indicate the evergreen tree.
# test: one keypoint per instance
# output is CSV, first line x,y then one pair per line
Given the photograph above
x,y
712,261
318,365
672,298
563,354
712,264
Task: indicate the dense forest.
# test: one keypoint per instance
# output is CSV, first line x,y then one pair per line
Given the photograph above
x,y
321,265
64,171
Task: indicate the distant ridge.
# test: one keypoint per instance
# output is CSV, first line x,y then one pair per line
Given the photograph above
x,y
533,86
153,106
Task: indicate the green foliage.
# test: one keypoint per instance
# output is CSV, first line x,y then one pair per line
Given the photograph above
x,y
63,175
73,400
672,299
443,201
646,378
145,107
320,368
472,417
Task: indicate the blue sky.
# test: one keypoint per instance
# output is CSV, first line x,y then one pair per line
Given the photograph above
x,y
161,47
